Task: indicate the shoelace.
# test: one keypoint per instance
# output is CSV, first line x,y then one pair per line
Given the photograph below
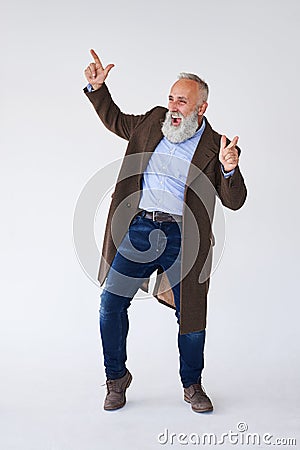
x,y
110,385
200,388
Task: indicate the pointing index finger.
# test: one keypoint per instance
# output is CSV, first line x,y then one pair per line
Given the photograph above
x,y
223,142
95,57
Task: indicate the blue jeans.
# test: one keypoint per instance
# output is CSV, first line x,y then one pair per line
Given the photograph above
x,y
146,246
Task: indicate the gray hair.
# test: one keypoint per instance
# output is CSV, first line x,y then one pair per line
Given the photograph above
x,y
203,86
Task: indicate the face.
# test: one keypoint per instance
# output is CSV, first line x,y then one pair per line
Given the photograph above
x,y
184,98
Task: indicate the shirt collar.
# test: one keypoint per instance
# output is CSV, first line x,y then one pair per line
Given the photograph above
x,y
201,129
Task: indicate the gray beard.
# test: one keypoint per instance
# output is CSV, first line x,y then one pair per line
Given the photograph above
x,y
187,128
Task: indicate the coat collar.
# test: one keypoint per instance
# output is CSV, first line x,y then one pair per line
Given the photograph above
x,y
206,148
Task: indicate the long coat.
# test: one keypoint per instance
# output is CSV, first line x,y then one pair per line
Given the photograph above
x,y
204,182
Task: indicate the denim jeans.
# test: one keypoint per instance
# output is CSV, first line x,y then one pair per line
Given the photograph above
x,y
146,246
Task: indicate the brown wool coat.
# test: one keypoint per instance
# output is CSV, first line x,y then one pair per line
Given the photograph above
x,y
144,133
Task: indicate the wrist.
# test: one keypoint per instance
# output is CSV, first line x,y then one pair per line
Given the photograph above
x,y
96,86
227,174
227,170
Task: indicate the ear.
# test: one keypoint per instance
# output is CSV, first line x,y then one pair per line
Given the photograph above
x,y
202,108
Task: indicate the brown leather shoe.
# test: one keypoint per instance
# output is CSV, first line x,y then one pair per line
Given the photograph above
x,y
115,397
196,396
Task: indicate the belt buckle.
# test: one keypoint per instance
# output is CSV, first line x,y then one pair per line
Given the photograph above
x,y
153,215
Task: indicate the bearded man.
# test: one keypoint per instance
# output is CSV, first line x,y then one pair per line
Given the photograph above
x,y
160,219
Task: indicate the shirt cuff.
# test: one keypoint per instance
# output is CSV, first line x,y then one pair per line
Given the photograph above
x,y
227,174
90,88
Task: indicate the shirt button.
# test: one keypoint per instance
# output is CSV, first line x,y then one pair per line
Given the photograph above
x,y
128,205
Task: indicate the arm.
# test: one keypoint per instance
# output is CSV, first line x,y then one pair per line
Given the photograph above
x,y
110,114
232,190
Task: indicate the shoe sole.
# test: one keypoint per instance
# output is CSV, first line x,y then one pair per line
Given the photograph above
x,y
121,404
210,408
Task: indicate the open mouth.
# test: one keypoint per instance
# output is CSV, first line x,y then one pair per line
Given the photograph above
x,y
175,120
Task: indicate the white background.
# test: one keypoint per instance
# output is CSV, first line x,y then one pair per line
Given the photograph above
x,y
52,143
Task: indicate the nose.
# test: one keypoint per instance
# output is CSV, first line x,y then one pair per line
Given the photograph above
x,y
173,106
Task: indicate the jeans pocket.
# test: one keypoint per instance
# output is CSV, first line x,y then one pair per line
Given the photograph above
x,y
135,220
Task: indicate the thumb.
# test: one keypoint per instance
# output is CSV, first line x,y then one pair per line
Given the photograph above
x,y
108,69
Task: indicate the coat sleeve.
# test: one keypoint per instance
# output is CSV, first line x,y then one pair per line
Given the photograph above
x,y
232,191
110,114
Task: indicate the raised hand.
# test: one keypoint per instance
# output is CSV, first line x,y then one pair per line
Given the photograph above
x,y
228,155
95,73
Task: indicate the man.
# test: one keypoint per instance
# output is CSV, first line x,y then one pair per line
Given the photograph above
x,y
160,220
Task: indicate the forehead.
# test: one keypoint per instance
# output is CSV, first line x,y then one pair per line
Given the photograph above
x,y
185,88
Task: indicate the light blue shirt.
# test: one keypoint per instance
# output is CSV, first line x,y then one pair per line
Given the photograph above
x,y
166,173
165,176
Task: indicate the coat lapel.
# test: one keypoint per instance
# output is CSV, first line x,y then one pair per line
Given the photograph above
x,y
151,142
206,150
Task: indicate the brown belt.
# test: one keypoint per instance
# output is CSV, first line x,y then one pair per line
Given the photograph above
x,y
160,216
